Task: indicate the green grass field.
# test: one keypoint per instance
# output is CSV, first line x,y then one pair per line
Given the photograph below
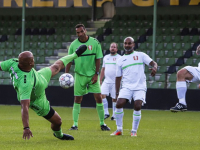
x,y
158,130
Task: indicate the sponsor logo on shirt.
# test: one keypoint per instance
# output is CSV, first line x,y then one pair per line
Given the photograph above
x,y
90,47
114,59
124,60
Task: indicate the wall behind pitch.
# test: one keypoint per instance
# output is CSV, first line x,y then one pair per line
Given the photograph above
x,y
99,11
161,99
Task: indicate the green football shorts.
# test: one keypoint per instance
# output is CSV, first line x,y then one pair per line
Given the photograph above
x,y
41,105
83,85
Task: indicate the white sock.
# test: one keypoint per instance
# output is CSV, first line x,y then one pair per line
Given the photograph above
x,y
181,89
113,107
105,104
119,118
136,120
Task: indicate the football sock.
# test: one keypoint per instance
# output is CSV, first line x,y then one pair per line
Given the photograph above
x,y
105,104
119,118
59,133
68,58
76,111
181,88
113,107
136,120
100,111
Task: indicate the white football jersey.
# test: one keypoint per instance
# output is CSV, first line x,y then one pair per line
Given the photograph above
x,y
131,67
109,63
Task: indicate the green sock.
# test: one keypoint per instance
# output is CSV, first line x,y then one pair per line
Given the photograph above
x,y
68,58
59,133
100,111
76,111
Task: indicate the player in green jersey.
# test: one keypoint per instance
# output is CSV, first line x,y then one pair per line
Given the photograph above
x,y
86,74
30,86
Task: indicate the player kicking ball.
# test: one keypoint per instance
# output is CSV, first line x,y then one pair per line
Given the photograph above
x,y
30,86
186,74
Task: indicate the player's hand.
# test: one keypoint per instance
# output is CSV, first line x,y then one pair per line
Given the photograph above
x,y
27,134
153,71
198,50
94,79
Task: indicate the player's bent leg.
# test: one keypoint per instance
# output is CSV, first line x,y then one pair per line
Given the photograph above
x,y
61,63
183,75
56,122
181,88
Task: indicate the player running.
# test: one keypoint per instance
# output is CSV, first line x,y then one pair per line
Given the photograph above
x,y
108,87
131,67
30,86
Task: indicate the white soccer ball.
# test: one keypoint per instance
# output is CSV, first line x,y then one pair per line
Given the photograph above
x,y
66,80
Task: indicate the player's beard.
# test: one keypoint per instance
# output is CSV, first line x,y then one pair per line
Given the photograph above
x,y
128,50
113,52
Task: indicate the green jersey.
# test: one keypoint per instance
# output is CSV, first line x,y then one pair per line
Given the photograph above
x,y
86,63
28,85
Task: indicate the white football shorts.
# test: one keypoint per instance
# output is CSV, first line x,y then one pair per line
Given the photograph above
x,y
129,94
108,88
195,71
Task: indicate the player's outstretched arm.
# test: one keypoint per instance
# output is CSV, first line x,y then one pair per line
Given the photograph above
x,y
154,68
27,134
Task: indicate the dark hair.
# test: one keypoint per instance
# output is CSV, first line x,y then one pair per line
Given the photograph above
x,y
80,25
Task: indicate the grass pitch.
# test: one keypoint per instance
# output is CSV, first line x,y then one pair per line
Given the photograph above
x,y
158,130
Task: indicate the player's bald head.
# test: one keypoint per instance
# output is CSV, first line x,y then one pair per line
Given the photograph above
x,y
129,39
26,59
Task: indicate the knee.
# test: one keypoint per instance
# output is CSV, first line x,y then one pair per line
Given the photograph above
x,y
180,74
58,122
137,105
119,104
55,67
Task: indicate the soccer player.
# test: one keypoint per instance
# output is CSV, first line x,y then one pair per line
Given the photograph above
x,y
108,87
30,86
86,74
130,67
186,74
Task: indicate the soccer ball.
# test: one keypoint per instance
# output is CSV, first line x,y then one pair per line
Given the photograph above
x,y
66,80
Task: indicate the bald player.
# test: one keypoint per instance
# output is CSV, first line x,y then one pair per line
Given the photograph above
x,y
30,86
130,69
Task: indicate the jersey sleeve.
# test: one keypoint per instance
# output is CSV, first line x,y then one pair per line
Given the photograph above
x,y
5,65
24,90
70,51
118,69
99,53
146,59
